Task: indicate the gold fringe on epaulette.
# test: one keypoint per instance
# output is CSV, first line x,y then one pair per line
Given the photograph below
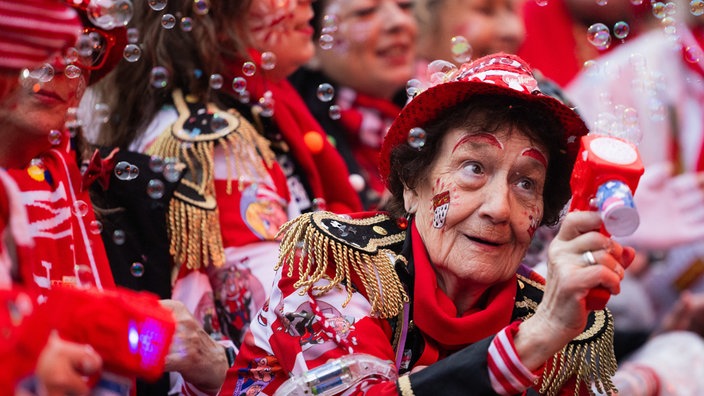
x,y
302,240
592,362
194,226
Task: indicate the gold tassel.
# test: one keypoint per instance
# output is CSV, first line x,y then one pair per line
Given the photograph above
x,y
305,243
194,224
590,357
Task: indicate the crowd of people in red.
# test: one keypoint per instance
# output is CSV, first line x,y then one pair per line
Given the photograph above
x,y
276,197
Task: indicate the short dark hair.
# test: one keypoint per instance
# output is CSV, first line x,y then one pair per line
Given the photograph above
x,y
487,113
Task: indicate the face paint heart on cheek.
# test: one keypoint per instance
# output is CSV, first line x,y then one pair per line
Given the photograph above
x,y
441,204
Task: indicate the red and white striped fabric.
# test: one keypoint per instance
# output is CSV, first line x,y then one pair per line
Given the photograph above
x,y
508,375
32,30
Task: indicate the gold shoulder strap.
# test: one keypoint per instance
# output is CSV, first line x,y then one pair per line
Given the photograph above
x,y
361,247
193,219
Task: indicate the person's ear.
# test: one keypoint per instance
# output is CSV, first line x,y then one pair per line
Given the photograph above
x,y
410,200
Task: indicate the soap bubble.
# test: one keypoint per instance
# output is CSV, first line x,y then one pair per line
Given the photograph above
x,y
326,92
599,36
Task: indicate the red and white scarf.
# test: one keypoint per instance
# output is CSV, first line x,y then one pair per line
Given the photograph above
x,y
68,246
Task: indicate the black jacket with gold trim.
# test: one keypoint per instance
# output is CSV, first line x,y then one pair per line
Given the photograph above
x,y
363,251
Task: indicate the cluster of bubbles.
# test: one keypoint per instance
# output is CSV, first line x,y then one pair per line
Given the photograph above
x,y
168,167
621,122
73,123
132,52
413,88
126,171
159,76
438,71
599,36
329,27
104,14
648,85
326,93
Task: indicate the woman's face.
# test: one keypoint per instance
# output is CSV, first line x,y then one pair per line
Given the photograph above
x,y
489,26
491,186
374,46
38,105
283,28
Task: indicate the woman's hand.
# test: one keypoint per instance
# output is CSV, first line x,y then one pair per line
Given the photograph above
x,y
63,367
562,314
197,357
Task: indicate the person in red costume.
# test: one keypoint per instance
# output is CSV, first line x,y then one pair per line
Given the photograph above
x,y
556,40
253,155
432,297
365,55
32,31
47,207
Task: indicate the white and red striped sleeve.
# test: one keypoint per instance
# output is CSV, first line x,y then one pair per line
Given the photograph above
x,y
32,30
507,373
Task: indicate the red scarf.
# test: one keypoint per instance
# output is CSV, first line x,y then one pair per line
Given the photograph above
x,y
366,149
325,171
436,315
61,221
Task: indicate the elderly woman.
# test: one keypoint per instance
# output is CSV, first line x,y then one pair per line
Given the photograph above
x,y
438,302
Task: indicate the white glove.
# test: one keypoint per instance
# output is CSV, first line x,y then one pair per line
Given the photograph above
x,y
671,209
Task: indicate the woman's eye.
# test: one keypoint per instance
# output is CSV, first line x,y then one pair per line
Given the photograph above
x,y
474,168
526,184
405,5
363,12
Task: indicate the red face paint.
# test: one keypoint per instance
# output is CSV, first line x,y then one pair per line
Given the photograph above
x,y
441,204
537,155
535,219
480,137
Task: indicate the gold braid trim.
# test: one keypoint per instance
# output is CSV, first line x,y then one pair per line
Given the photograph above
x,y
306,247
404,386
193,217
589,357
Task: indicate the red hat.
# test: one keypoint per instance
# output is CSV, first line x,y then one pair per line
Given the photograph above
x,y
32,30
498,74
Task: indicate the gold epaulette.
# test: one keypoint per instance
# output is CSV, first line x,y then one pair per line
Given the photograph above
x,y
193,218
359,248
589,357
